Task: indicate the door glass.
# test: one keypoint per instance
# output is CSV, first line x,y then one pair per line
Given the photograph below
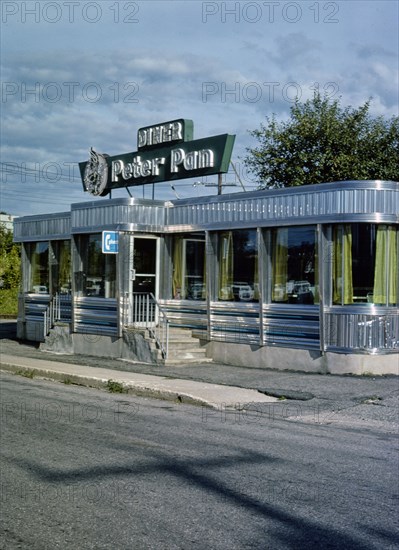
x,y
144,281
145,256
144,264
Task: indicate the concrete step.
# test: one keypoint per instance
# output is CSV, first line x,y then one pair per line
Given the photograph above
x,y
177,362
188,352
183,348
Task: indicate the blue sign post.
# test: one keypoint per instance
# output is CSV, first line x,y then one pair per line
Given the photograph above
x,y
110,242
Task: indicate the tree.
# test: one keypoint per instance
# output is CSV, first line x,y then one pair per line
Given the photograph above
x,y
10,260
323,142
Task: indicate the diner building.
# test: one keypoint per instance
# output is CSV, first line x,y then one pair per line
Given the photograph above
x,y
301,278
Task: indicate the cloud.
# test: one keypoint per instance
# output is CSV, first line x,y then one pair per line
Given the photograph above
x,y
370,51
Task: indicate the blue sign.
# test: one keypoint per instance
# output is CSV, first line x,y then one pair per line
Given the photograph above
x,y
110,242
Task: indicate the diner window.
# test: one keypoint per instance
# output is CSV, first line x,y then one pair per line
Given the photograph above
x,y
189,269
99,270
238,266
60,262
39,273
295,265
365,264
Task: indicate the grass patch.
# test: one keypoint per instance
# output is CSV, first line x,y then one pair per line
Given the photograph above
x,y
26,373
115,387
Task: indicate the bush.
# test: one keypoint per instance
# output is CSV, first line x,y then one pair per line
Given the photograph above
x,y
9,302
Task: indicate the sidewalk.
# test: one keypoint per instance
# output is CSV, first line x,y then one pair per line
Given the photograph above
x,y
364,399
184,391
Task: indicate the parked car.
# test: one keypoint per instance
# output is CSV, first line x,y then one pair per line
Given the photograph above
x,y
40,289
242,291
301,293
196,291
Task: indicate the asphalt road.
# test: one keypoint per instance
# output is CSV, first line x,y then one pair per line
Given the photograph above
x,y
84,469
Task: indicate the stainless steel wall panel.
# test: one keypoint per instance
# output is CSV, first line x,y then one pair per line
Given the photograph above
x,y
118,214
291,326
34,308
370,201
185,313
94,316
234,322
43,227
365,331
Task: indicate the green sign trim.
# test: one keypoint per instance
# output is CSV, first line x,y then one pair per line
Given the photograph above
x,y
181,160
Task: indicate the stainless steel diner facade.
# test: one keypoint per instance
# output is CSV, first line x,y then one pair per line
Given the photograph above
x,y
302,278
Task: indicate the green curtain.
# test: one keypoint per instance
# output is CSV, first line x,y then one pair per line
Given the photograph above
x,y
342,265
203,296
386,266
177,282
280,265
39,261
64,276
225,265
34,265
316,274
256,277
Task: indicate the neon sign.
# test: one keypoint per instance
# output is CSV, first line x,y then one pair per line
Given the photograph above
x,y
166,151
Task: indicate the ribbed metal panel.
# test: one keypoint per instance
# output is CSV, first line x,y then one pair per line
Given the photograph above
x,y
369,201
186,314
234,322
64,304
35,306
118,214
362,201
96,316
372,333
288,326
43,227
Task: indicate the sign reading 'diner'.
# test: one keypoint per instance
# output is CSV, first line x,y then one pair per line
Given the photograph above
x,y
166,151
110,242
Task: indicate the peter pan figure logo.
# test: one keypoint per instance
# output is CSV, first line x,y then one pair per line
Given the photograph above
x,y
96,174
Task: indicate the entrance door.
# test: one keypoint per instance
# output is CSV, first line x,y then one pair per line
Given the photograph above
x,y
144,280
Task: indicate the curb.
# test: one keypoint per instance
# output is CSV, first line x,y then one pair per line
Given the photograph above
x,y
103,384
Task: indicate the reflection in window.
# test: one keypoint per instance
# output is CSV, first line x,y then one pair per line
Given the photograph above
x,y
99,270
39,273
60,262
294,265
189,269
144,263
238,266
365,264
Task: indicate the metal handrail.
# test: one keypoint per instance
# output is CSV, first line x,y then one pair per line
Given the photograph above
x,y
146,313
53,313
160,332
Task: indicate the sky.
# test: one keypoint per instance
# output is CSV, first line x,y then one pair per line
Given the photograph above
x,y
81,74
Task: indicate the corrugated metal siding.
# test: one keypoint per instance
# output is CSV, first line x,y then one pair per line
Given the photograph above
x,y
43,228
118,214
370,201
96,316
325,203
366,331
294,327
35,306
188,314
234,322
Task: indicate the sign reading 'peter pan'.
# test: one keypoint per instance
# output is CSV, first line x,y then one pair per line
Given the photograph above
x,y
165,152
